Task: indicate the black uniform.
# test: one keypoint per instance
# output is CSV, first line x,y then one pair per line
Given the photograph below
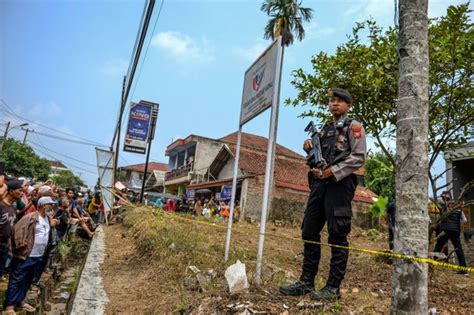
x,y
451,226
343,147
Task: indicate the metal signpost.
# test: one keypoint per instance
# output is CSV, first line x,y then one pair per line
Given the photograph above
x,y
261,91
154,117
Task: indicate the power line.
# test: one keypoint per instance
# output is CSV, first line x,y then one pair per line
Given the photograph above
x,y
68,157
56,159
65,139
67,164
133,67
125,117
12,112
147,47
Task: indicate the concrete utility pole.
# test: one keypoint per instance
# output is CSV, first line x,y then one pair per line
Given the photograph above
x,y
128,80
6,130
410,279
26,134
5,135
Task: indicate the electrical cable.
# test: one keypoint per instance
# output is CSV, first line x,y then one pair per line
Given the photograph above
x,y
136,59
9,109
65,139
68,157
147,47
125,117
67,164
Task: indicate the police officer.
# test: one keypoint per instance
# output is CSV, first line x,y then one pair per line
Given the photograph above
x,y
343,148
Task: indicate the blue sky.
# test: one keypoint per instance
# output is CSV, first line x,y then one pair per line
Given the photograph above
x,y
62,63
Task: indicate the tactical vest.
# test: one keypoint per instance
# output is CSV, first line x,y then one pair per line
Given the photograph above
x,y
335,141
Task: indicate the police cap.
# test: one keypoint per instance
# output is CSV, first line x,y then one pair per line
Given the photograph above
x,y
344,94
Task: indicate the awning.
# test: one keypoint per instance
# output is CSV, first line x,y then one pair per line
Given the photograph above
x,y
216,183
119,185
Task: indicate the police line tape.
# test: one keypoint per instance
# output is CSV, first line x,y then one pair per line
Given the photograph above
x,y
392,254
362,250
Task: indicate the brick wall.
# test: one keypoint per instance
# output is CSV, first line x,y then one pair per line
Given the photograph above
x,y
287,204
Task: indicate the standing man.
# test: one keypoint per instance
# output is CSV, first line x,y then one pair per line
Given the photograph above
x,y
343,150
3,185
32,237
7,219
449,228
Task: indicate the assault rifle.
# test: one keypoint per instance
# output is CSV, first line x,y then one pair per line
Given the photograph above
x,y
314,159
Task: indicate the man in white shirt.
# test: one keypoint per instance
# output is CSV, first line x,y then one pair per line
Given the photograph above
x,y
29,247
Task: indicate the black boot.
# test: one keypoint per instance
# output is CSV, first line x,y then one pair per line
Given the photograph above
x,y
327,293
301,287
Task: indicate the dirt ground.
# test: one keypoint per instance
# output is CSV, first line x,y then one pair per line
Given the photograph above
x,y
147,275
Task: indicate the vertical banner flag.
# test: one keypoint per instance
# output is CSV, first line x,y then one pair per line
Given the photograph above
x,y
105,167
138,128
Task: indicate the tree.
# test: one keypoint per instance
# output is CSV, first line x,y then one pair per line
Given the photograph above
x,y
380,175
410,279
287,17
21,160
369,70
66,178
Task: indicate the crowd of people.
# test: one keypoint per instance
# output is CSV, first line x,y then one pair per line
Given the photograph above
x,y
207,207
34,219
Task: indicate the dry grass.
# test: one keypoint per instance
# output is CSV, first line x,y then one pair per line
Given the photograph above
x,y
143,275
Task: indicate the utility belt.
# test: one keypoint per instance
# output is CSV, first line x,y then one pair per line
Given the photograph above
x,y
312,178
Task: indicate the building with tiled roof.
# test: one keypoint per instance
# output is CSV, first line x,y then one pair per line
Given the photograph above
x,y
56,167
152,166
290,182
132,176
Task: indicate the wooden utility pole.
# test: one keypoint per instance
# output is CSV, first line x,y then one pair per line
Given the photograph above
x,y
410,279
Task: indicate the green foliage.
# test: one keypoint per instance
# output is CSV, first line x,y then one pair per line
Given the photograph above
x,y
21,160
380,174
367,66
288,16
66,179
378,208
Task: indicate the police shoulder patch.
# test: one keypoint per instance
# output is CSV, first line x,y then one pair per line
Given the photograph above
x,y
357,129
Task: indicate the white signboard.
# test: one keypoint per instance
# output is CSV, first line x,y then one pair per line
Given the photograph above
x,y
259,82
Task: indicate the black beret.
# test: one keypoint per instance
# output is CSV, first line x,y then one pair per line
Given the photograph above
x,y
14,184
344,94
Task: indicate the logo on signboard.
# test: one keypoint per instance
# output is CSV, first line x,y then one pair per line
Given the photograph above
x,y
257,79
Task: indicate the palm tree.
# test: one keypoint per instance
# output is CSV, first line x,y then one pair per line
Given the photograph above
x,y
287,17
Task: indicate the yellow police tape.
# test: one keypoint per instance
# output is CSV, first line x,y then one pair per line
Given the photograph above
x,y
362,250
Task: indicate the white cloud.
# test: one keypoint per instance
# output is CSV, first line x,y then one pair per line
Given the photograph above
x,y
183,48
38,110
383,10
380,10
114,68
316,31
250,53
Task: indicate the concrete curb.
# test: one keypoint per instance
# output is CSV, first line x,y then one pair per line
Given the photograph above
x,y
90,295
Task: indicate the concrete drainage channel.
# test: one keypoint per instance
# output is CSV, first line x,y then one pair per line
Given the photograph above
x,y
90,297
67,296
78,289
